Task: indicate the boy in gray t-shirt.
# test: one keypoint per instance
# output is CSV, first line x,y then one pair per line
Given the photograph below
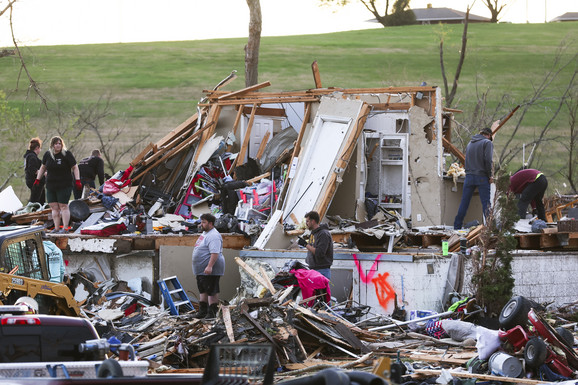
x,y
208,267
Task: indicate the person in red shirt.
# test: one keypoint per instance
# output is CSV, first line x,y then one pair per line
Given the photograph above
x,y
531,184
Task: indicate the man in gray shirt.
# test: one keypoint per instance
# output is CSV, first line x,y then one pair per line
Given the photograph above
x,y
208,267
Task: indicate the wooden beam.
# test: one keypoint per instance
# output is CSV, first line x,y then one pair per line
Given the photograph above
x,y
211,124
142,154
262,111
252,273
316,74
486,377
243,151
245,90
167,147
257,178
190,122
454,151
263,145
228,323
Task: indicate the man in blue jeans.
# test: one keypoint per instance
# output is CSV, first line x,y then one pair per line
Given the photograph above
x,y
478,172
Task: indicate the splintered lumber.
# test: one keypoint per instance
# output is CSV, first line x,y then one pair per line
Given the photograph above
x,y
472,236
258,178
316,74
503,121
454,150
226,312
253,274
29,217
263,145
486,377
245,90
240,159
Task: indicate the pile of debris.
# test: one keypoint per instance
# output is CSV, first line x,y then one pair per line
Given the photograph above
x,y
310,334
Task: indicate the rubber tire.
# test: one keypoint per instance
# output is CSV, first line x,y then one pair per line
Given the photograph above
x,y
535,352
109,369
567,336
514,313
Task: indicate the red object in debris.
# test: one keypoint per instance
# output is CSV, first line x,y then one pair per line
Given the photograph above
x,y
558,357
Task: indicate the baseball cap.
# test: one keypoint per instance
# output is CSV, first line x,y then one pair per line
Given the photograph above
x,y
487,131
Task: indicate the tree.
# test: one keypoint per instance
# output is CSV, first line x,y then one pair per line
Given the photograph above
x,y
400,12
570,143
93,119
495,9
449,95
15,131
253,43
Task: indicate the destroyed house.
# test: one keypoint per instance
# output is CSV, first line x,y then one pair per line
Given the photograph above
x,y
373,161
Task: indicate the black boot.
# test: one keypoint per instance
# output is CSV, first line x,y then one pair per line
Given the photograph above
x,y
202,312
213,309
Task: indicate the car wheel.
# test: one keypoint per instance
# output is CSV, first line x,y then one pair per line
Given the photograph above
x,y
515,312
109,369
567,336
535,352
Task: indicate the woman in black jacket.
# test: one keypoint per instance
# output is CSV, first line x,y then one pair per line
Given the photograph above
x,y
32,164
60,166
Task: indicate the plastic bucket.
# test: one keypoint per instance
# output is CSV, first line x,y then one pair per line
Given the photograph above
x,y
502,364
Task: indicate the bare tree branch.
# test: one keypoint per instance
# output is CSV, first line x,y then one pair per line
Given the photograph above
x,y
32,83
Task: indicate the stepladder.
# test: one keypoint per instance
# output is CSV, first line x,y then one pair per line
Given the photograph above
x,y
174,295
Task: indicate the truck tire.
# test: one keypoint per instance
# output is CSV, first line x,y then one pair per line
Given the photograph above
x,y
514,313
535,352
109,369
567,336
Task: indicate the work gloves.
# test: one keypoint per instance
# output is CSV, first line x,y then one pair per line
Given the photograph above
x,y
78,185
301,241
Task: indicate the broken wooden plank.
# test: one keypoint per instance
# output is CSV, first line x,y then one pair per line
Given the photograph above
x,y
316,74
225,311
351,338
257,178
263,145
245,90
240,159
267,280
264,111
486,377
252,273
454,150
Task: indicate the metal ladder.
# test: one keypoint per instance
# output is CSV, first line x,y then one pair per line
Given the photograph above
x,y
174,294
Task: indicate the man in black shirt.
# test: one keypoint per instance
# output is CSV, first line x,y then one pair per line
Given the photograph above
x,y
320,245
90,168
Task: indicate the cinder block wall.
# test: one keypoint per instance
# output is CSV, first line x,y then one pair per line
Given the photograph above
x,y
547,277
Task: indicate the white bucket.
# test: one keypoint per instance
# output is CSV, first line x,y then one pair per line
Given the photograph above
x,y
502,364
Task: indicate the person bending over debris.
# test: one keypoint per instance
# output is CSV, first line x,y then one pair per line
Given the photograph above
x,y
320,245
532,185
478,172
59,165
208,267
90,168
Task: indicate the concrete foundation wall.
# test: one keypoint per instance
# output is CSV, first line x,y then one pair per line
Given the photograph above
x,y
547,277
177,261
418,280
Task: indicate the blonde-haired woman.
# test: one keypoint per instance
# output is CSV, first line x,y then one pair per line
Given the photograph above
x,y
59,165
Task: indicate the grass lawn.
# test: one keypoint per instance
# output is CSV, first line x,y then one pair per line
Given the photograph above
x,y
155,86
